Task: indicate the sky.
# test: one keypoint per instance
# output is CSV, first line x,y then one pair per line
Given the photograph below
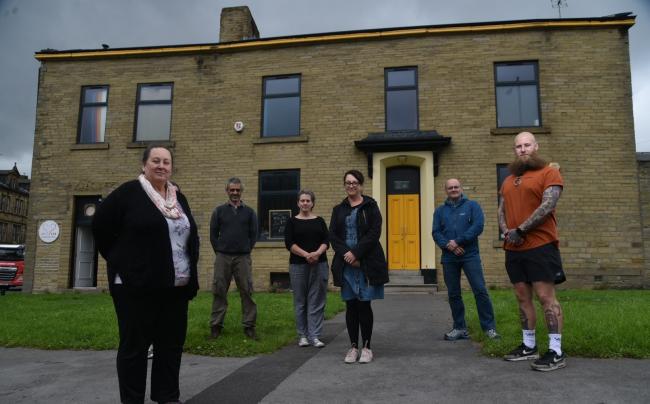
x,y
27,26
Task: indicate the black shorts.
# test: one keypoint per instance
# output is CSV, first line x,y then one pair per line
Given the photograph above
x,y
541,264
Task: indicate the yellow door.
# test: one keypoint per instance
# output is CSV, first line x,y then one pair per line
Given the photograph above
x,y
404,232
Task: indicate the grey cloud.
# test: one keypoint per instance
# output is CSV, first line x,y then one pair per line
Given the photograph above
x,y
27,26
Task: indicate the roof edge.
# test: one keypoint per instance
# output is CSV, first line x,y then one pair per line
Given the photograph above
x,y
385,33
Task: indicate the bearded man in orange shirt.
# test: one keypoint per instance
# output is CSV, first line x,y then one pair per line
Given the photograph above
x,y
527,201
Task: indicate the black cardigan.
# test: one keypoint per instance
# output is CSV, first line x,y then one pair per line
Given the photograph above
x,y
133,236
368,250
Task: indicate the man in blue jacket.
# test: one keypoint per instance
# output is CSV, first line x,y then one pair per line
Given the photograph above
x,y
456,227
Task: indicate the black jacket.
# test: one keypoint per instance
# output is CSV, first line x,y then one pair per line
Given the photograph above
x,y
368,250
133,236
233,230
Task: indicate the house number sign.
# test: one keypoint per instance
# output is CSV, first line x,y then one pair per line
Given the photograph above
x,y
48,231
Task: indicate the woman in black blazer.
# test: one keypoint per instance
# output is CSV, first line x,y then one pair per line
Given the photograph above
x,y
145,231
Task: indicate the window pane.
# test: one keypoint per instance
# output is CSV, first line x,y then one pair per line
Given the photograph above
x,y
517,106
93,122
282,86
523,72
274,202
529,110
401,77
95,95
277,191
401,110
156,93
281,116
279,181
153,122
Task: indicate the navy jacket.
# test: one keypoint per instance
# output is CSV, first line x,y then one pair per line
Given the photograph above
x,y
133,236
463,222
368,250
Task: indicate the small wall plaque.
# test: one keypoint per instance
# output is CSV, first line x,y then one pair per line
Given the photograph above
x,y
48,231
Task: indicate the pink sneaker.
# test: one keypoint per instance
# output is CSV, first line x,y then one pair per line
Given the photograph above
x,y
366,356
352,355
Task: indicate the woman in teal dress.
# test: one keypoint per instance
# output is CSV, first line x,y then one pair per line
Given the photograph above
x,y
359,265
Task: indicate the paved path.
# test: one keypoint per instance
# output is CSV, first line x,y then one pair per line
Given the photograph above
x,y
412,364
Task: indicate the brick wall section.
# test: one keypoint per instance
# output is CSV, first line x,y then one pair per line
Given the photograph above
x,y
644,199
585,99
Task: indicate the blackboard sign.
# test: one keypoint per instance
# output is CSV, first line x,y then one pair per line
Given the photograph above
x,y
278,222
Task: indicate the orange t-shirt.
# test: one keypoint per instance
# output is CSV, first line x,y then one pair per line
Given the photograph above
x,y
522,195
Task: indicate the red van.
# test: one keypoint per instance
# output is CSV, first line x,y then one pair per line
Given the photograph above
x,y
12,265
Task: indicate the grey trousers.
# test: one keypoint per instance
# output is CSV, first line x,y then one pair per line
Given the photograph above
x,y
226,267
309,284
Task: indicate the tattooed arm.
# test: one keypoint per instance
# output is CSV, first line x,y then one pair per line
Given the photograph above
x,y
501,216
549,200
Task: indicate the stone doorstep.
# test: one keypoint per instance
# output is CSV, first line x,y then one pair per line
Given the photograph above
x,y
410,289
408,282
406,277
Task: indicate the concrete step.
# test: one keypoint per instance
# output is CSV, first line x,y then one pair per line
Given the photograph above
x,y
408,282
406,277
410,289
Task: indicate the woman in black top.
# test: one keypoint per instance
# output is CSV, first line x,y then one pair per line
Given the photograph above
x,y
145,231
306,238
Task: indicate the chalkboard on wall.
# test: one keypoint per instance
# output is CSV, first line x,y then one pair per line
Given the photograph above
x,y
278,222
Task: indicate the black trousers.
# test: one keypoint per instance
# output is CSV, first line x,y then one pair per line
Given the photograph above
x,y
158,318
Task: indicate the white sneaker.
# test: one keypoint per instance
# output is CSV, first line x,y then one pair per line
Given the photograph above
x,y
366,356
352,355
317,343
303,341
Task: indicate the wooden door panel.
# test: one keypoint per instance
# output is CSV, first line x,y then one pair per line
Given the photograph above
x,y
395,239
412,233
404,232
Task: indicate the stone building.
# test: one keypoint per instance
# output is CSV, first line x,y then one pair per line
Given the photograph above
x,y
14,200
408,106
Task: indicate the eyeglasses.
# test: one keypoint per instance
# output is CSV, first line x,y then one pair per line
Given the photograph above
x,y
453,187
351,183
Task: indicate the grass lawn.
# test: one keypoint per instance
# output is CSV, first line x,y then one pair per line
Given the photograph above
x,y
87,321
597,323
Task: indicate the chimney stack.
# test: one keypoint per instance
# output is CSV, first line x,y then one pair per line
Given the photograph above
x,y
237,24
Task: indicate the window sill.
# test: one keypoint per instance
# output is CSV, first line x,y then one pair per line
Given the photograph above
x,y
282,139
143,144
270,244
535,130
89,146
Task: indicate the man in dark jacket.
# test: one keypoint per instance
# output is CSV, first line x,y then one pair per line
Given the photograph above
x,y
456,227
233,233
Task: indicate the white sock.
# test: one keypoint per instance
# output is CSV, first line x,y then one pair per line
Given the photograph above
x,y
555,343
529,338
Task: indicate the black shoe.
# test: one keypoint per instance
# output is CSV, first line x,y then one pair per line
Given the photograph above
x,y
215,331
550,361
250,333
521,353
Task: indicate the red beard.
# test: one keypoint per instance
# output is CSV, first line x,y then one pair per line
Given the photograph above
x,y
519,167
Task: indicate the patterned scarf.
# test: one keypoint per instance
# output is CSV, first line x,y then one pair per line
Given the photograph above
x,y
169,206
